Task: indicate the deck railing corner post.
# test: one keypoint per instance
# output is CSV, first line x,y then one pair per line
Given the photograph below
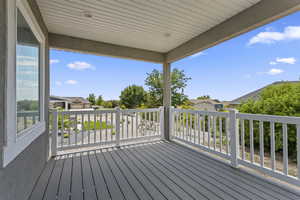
x,y
161,120
234,137
118,112
54,133
171,118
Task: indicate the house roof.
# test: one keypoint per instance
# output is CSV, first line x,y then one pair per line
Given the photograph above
x,y
204,101
70,99
155,31
255,94
57,98
77,100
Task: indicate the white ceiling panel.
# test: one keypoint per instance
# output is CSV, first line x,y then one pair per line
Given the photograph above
x,y
157,25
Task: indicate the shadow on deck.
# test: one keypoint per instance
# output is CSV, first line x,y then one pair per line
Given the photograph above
x,y
158,170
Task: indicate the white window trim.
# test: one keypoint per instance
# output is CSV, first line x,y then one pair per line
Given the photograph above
x,y
16,143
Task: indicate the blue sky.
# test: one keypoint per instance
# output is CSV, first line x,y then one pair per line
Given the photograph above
x,y
226,71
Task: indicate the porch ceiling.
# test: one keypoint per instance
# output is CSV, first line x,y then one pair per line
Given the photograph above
x,y
154,30
157,25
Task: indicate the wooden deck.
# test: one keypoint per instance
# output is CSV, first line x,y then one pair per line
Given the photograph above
x,y
152,171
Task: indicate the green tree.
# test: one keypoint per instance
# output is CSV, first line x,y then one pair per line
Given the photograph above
x,y
27,105
107,104
133,96
154,81
111,103
92,99
279,99
114,103
100,100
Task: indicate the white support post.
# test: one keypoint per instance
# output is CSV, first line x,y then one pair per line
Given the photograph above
x,y
234,138
54,133
66,105
171,123
118,111
161,120
167,99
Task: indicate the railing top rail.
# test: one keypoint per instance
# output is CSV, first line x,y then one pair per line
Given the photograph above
x,y
213,113
72,112
269,118
140,110
27,113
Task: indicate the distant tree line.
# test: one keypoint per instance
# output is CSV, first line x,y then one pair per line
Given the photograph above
x,y
27,105
134,96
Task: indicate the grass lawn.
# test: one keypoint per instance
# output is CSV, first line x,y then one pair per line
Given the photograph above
x,y
98,125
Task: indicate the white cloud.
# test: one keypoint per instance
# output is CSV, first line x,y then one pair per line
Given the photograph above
x,y
274,71
53,61
201,53
27,57
290,60
71,82
80,65
58,83
273,63
27,61
269,37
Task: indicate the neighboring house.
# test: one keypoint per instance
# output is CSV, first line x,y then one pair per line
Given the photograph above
x,y
206,104
58,102
255,94
69,103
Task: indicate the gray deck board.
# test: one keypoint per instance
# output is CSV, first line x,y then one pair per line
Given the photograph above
x,y
202,183
171,181
246,182
187,185
217,180
100,184
54,181
125,186
163,187
41,185
65,181
137,185
114,189
76,181
143,179
89,190
155,171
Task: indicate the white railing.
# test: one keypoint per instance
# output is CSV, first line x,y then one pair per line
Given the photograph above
x,y
248,140
207,130
27,118
268,137
77,129
225,134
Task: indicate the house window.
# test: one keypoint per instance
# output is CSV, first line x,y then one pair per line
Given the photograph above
x,y
27,76
25,80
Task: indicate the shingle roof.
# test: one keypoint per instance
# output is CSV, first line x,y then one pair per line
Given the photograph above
x,y
70,99
204,101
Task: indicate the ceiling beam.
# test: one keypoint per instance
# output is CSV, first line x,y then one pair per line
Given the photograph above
x,y
64,42
257,15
